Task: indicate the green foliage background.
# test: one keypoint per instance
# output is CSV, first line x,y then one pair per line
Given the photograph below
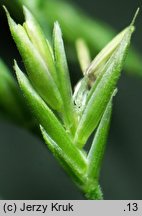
x,y
28,170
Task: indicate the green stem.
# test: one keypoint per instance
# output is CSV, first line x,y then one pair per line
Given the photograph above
x,y
92,190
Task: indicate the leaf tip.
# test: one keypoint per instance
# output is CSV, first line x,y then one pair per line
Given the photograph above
x,y
19,73
57,28
6,11
11,22
27,13
135,16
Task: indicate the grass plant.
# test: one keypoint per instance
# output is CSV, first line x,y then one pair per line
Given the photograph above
x,y
68,118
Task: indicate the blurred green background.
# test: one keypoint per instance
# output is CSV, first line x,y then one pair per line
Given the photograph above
x,y
29,171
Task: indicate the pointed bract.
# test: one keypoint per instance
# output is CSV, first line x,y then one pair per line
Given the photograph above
x,y
39,41
50,123
103,56
96,152
64,79
35,66
67,163
103,91
83,55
